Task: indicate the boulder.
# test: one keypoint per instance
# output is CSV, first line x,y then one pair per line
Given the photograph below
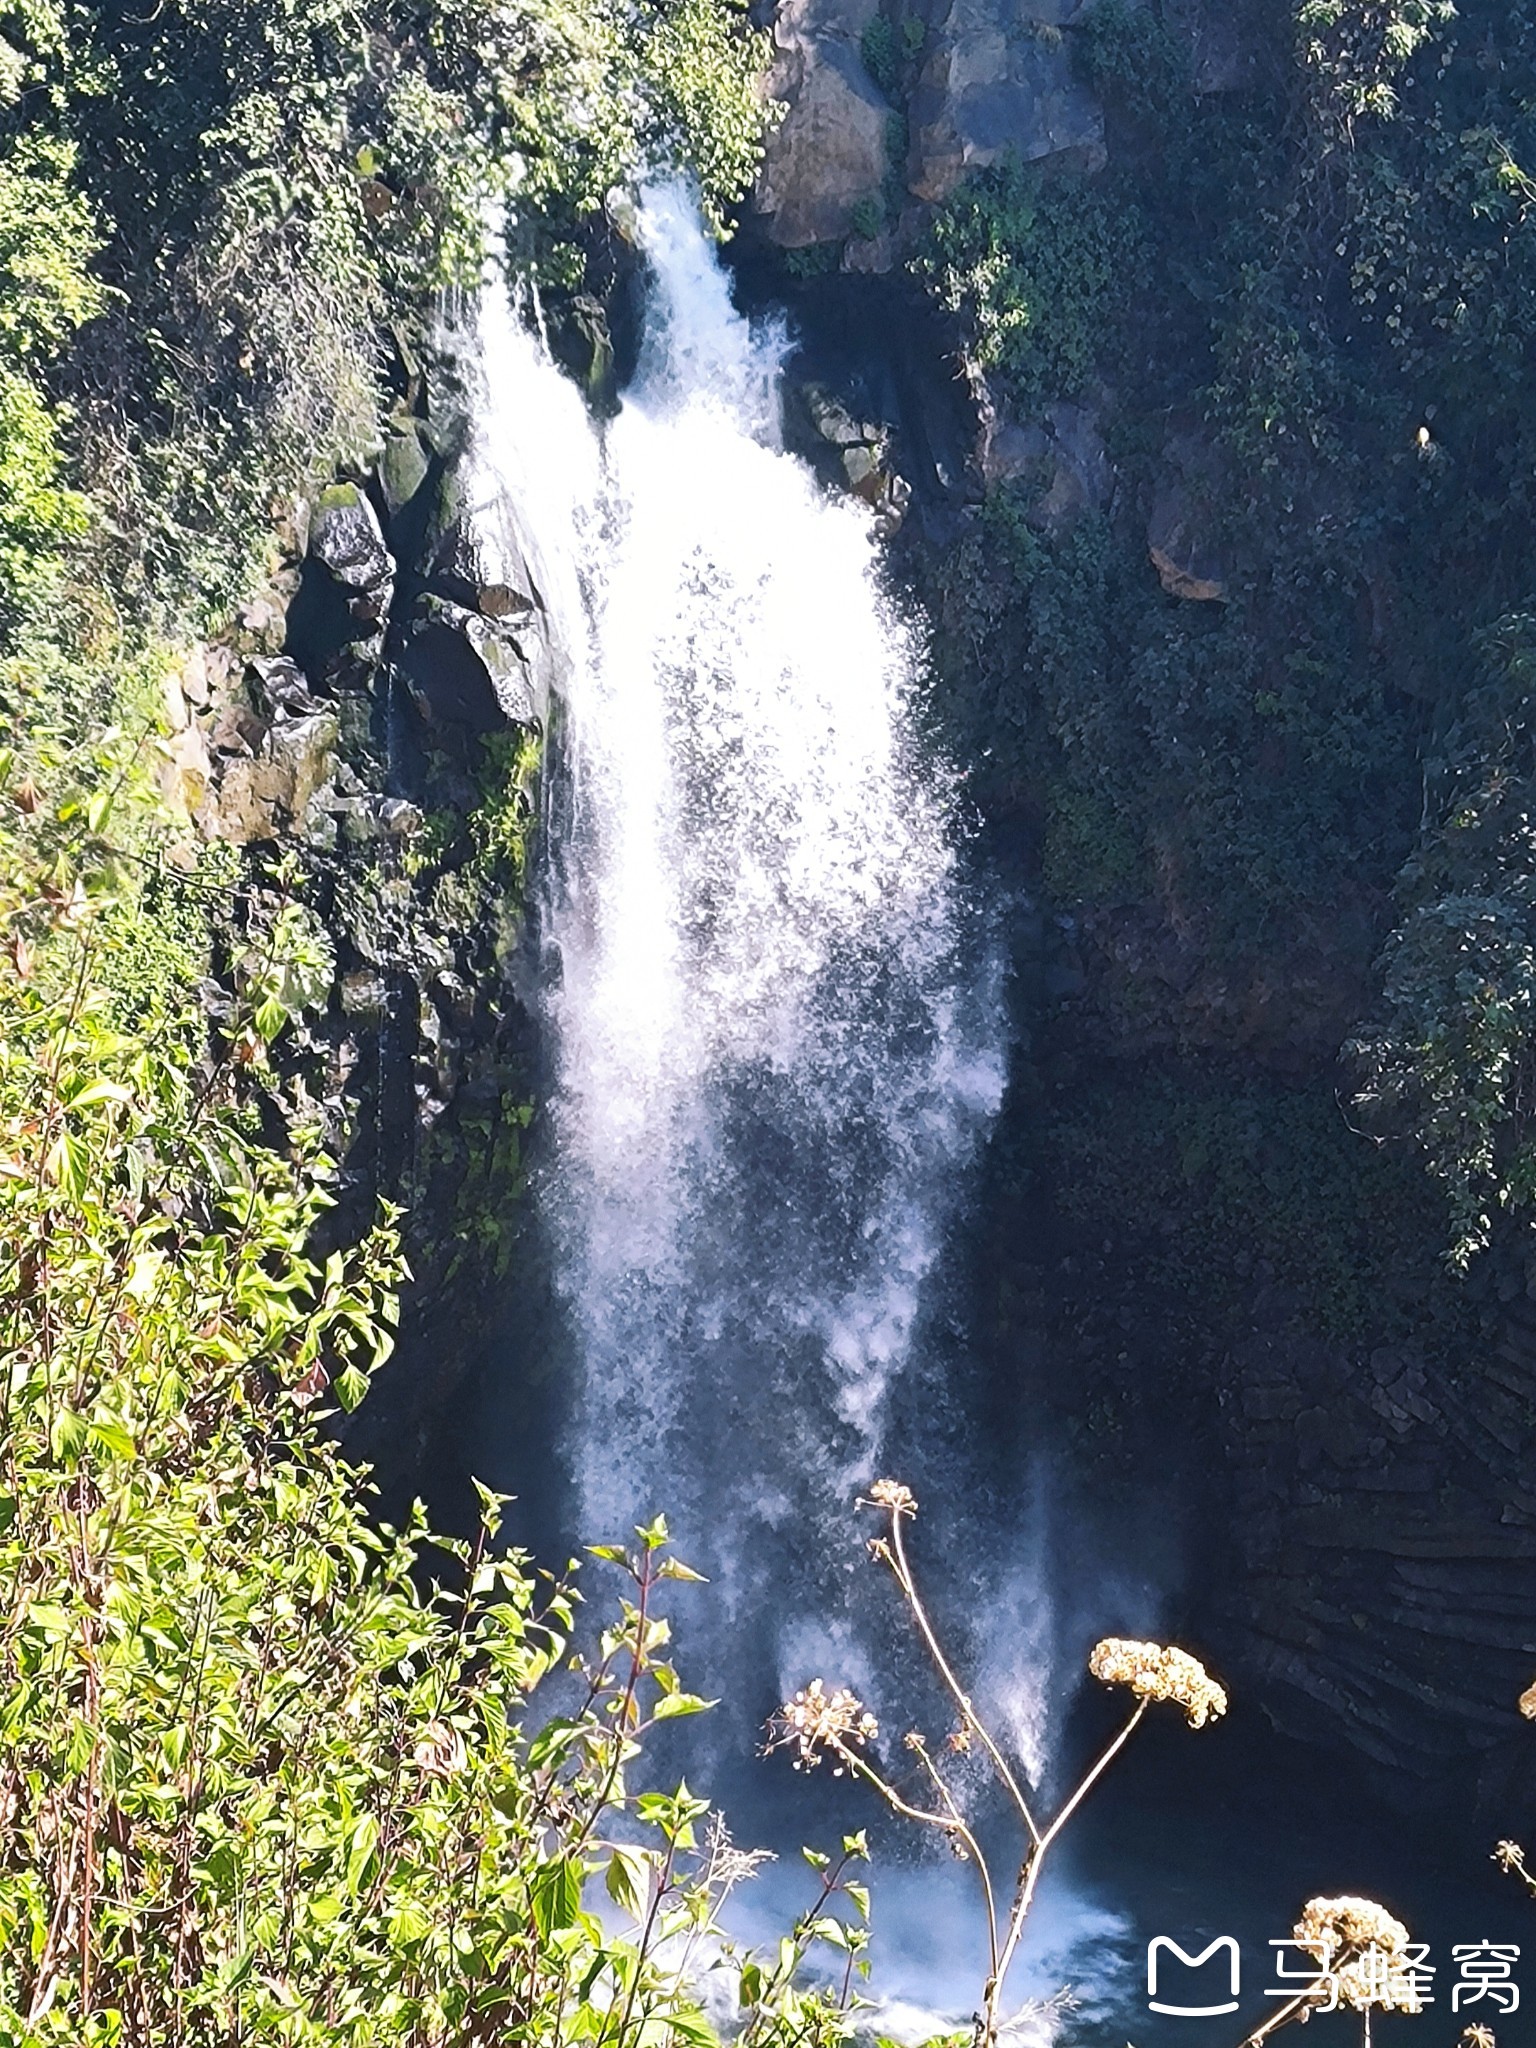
x,y
337,622
999,81
477,673
404,464
347,541
265,792
1061,454
864,457
481,652
830,152
281,688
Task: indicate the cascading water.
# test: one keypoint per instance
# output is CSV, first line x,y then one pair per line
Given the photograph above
x,y
777,1029
774,1054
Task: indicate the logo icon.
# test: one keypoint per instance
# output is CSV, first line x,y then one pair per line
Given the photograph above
x,y
1193,2012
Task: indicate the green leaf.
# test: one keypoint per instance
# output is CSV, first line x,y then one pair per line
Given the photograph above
x,y
408,1923
555,1895
365,1839
113,1438
674,1568
98,1091
673,1704
69,1432
627,1878
350,1386
270,1017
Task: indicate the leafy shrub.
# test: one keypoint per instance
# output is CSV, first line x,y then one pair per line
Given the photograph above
x,y
46,292
1128,56
890,49
261,1780
1451,1061
280,195
1036,270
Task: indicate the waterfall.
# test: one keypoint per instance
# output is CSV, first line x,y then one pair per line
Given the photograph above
x,y
776,1042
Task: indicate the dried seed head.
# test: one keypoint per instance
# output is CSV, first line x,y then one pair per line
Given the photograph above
x,y
816,1721
1154,1671
891,1494
1364,1948
1509,1855
1478,2037
1528,1701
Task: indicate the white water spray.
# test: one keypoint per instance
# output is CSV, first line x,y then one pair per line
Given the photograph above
x,y
776,1044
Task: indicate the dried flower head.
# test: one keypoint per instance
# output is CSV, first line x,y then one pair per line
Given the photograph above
x,y
1509,1855
439,1750
1478,2037
1154,1671
1528,1701
1364,1950
890,1493
816,1721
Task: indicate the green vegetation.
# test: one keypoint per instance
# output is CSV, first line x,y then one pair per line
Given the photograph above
x,y
270,195
1299,310
890,49
1199,1174
1453,1061
1037,269
272,1773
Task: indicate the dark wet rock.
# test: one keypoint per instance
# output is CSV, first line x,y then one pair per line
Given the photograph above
x,y
864,456
281,689
1386,1590
1059,458
405,462
1183,540
477,673
336,625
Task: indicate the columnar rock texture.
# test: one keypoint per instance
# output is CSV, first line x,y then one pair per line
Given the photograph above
x,y
1385,1522
378,713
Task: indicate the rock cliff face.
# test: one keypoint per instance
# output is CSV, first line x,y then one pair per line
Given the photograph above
x,y
1386,1530
989,78
377,715
999,79
830,154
